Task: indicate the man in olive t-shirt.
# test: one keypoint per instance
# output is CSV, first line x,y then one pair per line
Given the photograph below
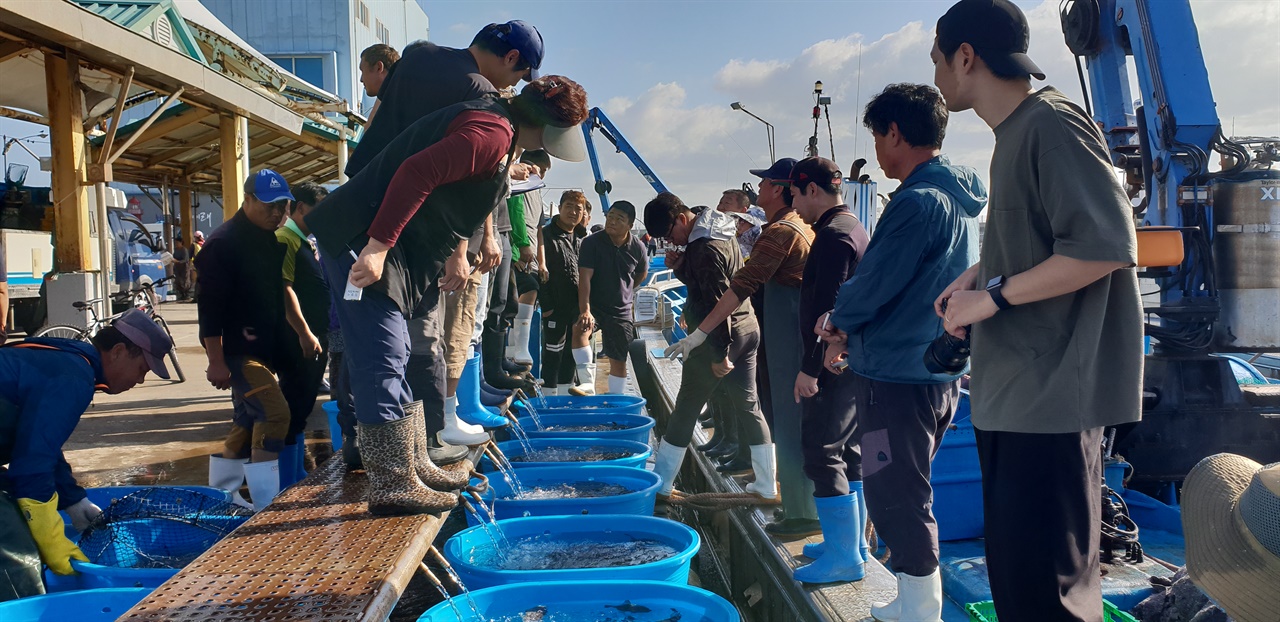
x,y
1055,312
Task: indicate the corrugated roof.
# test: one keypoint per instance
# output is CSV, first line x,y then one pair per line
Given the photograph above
x,y
127,14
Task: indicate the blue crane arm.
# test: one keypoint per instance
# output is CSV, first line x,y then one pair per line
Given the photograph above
x,y
597,120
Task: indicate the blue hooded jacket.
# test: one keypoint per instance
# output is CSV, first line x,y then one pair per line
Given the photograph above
x,y
925,238
43,392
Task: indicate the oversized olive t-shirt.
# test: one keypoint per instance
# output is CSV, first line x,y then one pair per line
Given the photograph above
x,y
1073,362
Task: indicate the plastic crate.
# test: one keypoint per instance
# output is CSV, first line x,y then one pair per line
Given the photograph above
x,y
985,611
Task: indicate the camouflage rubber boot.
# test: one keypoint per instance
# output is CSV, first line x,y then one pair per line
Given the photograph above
x,y
387,450
452,477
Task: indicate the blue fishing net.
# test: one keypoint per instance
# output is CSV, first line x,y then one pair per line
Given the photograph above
x,y
159,528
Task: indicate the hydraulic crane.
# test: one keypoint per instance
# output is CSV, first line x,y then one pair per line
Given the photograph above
x,y
598,120
1224,293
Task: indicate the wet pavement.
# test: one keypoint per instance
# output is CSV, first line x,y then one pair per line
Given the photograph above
x,y
162,432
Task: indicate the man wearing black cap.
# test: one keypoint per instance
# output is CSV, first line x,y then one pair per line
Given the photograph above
x,y
1055,313
45,386
611,265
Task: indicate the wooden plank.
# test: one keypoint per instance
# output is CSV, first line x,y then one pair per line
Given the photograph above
x,y
184,149
233,175
187,212
66,136
164,127
10,49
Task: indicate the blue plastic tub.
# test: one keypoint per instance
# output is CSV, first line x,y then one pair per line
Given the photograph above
x,y
83,606
639,452
335,429
634,427
157,537
597,404
957,480
643,485
591,528
588,598
103,496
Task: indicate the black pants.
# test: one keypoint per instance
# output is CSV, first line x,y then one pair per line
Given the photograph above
x,y
829,436
900,429
557,351
300,381
502,291
20,566
1041,494
763,387
697,383
340,390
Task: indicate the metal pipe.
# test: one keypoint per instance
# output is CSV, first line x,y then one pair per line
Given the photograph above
x,y
110,138
244,154
342,155
769,131
105,259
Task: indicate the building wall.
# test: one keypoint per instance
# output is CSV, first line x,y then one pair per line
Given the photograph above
x,y
297,33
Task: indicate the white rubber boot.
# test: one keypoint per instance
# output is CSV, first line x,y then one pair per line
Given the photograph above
x,y
765,464
617,384
586,373
228,474
520,336
667,464
919,600
458,432
264,482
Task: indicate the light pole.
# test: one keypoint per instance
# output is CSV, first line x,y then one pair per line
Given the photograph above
x,y
768,128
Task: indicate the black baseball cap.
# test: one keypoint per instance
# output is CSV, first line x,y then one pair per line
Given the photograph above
x,y
626,208
780,171
816,170
998,32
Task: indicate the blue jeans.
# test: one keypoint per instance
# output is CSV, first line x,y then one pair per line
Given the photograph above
x,y
376,341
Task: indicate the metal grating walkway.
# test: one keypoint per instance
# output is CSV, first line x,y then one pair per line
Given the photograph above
x,y
314,554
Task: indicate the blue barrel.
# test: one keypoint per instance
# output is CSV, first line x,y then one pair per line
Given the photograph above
x,y
630,427
956,478
575,404
82,606
639,452
642,486
134,542
590,600
578,529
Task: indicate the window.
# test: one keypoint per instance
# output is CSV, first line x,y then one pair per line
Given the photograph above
x,y
309,68
383,33
363,11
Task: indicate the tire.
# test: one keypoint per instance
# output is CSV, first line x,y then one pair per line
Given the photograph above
x,y
173,352
62,331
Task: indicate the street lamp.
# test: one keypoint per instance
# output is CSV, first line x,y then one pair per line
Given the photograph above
x,y
768,127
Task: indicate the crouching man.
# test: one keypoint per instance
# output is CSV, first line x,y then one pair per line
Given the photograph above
x,y
45,386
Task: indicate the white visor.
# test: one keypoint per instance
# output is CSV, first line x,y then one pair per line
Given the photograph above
x,y
565,143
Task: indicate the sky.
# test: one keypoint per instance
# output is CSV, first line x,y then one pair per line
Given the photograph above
x,y
665,72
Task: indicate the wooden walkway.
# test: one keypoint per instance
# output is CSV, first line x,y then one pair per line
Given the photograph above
x,y
315,554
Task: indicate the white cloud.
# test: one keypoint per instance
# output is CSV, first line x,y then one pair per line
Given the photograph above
x,y
700,150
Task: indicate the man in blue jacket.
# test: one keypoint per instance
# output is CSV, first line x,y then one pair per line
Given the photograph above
x,y
884,321
45,386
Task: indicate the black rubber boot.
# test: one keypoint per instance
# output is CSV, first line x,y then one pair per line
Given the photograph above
x,y
793,528
491,349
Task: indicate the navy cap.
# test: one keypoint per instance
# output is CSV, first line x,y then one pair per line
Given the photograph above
x,y
142,331
780,171
526,39
997,30
269,186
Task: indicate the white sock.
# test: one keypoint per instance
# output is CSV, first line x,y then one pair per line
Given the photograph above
x,y
525,312
617,384
582,356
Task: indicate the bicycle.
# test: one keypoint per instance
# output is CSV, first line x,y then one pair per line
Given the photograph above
x,y
142,298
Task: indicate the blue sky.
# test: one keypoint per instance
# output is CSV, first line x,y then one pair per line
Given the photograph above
x,y
665,72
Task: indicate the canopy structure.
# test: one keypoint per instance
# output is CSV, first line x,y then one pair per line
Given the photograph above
x,y
214,108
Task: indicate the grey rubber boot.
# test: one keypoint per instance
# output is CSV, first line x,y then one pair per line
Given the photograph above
x,y
387,450
452,477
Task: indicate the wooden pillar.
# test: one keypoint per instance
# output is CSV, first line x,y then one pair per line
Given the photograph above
x,y
187,213
233,144
66,137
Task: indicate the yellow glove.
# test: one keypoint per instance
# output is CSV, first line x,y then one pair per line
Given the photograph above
x,y
48,530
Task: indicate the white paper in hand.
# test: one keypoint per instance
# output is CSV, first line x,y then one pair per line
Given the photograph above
x,y
532,183
352,292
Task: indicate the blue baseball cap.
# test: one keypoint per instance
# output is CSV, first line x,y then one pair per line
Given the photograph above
x,y
780,171
142,331
269,186
523,38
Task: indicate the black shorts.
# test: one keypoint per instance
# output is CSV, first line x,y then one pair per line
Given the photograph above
x,y
617,335
526,282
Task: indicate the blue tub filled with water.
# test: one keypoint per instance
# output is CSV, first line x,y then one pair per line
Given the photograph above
x,y
562,490
103,605
104,496
551,452
141,552
957,480
565,404
586,425
634,601
573,548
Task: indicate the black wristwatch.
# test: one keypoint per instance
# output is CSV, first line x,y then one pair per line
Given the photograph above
x,y
993,287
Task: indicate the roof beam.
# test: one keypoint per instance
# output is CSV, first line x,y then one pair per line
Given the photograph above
x,y
176,122
184,149
9,49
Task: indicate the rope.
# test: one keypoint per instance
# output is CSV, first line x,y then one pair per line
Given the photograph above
x,y
717,501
